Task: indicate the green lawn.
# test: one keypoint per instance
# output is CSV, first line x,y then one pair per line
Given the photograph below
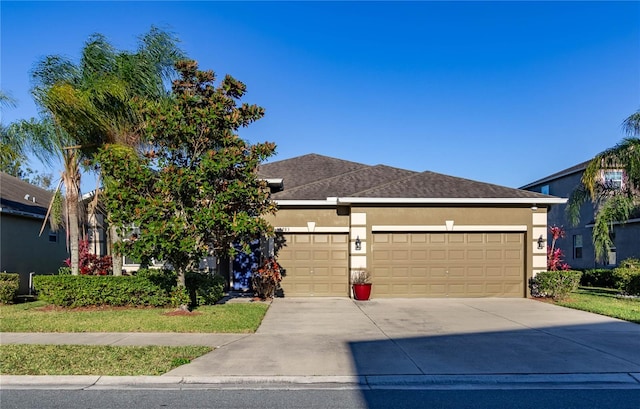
x,y
224,318
604,301
112,360
94,360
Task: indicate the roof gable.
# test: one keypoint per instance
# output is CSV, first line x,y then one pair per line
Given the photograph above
x,y
306,169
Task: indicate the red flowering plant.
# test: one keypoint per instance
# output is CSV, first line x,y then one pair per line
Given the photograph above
x,y
555,256
89,263
266,278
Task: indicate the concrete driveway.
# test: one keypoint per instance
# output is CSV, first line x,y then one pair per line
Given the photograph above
x,y
342,337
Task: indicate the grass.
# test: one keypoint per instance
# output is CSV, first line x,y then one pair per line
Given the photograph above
x,y
114,360
604,301
94,360
224,318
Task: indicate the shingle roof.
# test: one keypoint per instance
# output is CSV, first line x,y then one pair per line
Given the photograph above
x,y
317,177
580,167
18,196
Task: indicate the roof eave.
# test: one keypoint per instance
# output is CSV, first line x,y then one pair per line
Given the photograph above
x,y
454,200
333,201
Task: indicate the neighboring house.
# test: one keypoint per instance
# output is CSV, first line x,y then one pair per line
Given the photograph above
x,y
578,245
22,249
419,234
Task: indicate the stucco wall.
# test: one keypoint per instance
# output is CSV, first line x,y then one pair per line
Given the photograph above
x,y
23,251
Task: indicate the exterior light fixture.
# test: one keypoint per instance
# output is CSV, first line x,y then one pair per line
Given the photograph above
x,y
541,241
358,243
534,207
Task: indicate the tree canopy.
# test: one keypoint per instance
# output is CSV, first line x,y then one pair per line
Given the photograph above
x,y
92,102
194,191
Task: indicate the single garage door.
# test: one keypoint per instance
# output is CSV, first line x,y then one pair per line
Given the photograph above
x,y
448,265
316,264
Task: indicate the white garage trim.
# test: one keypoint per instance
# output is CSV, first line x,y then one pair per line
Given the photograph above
x,y
458,228
317,229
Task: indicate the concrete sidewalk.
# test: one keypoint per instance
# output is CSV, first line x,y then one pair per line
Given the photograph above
x,y
426,343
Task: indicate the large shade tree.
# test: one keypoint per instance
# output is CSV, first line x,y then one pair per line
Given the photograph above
x,y
195,192
613,202
96,102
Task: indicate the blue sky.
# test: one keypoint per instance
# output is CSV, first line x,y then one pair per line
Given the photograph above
x,y
500,92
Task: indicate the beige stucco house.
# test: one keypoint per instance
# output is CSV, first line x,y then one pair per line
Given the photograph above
x,y
23,250
418,234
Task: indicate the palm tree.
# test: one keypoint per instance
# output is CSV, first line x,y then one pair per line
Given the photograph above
x,y
95,102
11,149
49,142
613,203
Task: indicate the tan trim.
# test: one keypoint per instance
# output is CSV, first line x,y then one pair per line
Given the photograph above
x,y
458,228
305,229
330,201
459,200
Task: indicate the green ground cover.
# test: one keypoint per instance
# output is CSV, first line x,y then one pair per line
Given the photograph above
x,y
604,301
94,360
223,318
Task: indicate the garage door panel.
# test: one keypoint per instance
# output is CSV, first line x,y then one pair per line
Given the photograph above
x,y
456,265
316,265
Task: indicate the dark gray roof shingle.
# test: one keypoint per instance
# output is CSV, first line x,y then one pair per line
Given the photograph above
x,y
316,177
13,196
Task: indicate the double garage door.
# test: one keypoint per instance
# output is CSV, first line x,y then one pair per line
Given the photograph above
x,y
448,264
474,264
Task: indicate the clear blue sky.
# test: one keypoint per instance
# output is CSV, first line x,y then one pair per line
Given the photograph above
x,y
500,92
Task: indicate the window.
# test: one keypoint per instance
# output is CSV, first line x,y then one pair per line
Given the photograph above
x,y
611,257
544,189
577,246
613,179
53,236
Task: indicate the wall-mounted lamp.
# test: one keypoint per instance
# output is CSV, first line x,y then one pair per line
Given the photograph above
x,y
534,207
358,243
541,241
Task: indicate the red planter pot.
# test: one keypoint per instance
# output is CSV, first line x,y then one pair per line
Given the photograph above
x,y
362,292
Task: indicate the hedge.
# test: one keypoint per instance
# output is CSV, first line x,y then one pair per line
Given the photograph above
x,y
555,284
599,277
202,288
147,287
81,291
9,284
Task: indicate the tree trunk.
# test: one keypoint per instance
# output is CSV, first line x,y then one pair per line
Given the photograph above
x,y
116,257
73,229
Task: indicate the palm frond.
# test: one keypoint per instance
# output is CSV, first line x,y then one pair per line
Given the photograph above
x,y
631,125
578,197
617,209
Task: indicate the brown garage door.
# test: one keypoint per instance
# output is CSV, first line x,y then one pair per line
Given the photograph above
x,y
316,265
448,265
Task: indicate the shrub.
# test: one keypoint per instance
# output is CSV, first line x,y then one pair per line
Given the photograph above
x,y
555,284
204,288
89,263
165,279
266,279
633,287
79,291
598,278
627,276
179,297
9,284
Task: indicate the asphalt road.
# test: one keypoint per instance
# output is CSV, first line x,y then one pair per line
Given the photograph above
x,y
326,399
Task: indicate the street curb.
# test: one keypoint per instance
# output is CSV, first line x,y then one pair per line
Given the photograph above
x,y
615,380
